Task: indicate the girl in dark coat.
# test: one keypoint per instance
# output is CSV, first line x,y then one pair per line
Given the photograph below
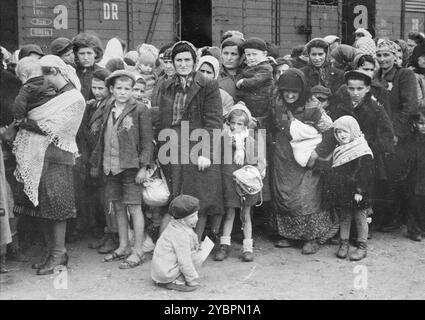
x,y
189,101
236,134
352,182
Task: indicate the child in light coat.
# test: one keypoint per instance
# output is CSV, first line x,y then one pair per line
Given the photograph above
x,y
177,255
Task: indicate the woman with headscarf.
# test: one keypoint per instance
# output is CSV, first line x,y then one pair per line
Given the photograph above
x,y
344,56
45,161
189,101
113,50
333,41
210,67
366,45
402,86
297,190
319,69
418,64
403,52
361,33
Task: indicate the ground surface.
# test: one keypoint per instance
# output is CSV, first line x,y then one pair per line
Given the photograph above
x,y
395,269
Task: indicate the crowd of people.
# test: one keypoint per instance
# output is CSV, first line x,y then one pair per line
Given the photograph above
x,y
325,135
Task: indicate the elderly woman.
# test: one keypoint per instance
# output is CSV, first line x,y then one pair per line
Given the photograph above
x,y
402,86
189,101
319,69
45,159
300,214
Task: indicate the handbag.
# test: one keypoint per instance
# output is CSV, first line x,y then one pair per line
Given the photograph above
x,y
248,181
155,189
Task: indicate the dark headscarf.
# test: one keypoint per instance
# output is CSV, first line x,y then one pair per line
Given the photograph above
x,y
293,79
344,55
418,51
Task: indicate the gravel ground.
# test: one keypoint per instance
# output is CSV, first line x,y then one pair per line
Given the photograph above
x,y
394,269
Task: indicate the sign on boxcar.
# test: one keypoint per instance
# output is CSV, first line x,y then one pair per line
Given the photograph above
x,y
357,14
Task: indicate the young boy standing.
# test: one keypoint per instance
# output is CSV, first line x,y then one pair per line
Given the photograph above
x,y
124,152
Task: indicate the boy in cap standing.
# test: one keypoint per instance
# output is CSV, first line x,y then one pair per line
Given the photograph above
x,y
124,151
176,254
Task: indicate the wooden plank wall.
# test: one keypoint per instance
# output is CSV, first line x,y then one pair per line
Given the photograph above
x,y
251,17
388,19
293,13
102,18
324,21
164,31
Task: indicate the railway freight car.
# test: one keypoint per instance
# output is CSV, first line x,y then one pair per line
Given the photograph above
x,y
283,22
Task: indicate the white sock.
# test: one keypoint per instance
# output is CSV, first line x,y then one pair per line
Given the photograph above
x,y
247,245
225,240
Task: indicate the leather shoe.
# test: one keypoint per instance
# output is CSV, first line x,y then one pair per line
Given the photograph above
x,y
42,262
222,252
52,263
282,243
247,256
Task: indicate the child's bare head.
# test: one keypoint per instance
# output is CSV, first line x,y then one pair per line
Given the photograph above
x,y
27,68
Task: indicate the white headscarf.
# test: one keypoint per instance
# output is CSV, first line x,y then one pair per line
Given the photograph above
x,y
67,71
212,61
113,50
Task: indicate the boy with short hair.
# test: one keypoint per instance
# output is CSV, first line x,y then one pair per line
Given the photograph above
x,y
254,84
124,152
92,122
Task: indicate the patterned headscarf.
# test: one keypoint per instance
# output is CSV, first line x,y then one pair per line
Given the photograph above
x,y
387,45
366,45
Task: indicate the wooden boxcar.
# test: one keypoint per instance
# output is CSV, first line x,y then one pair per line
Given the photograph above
x,y
283,22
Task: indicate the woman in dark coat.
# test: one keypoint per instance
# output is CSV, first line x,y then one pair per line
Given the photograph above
x,y
188,101
402,86
319,69
297,191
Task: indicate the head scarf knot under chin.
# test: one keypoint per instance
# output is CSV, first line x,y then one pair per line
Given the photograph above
x,y
356,148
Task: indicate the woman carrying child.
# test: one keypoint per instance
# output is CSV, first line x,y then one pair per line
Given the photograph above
x,y
352,184
297,189
45,161
236,132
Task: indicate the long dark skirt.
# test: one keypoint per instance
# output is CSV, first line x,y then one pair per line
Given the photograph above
x,y
297,192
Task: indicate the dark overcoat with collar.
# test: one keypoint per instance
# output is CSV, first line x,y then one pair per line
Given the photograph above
x,y
203,111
